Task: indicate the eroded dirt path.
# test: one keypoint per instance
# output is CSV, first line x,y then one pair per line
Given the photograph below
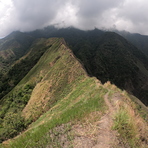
x,y
103,136
106,137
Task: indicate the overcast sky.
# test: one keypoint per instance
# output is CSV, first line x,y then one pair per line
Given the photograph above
x,y
27,15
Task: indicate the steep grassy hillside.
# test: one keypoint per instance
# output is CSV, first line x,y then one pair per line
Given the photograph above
x,y
56,72
67,108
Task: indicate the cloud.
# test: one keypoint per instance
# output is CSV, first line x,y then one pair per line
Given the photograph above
x,y
6,7
66,16
96,13
34,14
27,15
134,15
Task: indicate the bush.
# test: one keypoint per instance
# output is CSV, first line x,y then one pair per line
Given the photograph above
x,y
12,124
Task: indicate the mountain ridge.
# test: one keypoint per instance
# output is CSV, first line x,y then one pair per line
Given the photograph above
x,y
69,108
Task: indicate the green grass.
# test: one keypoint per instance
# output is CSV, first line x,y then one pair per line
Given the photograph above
x,y
125,126
61,77
73,96
65,111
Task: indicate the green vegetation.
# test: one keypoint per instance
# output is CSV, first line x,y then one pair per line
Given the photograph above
x,y
64,93
21,68
49,90
73,108
12,48
62,78
11,120
125,125
14,102
12,124
132,129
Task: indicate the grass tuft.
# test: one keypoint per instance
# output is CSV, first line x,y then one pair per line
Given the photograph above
x,y
125,126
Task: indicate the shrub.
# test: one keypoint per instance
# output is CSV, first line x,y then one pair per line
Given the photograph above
x,y
12,124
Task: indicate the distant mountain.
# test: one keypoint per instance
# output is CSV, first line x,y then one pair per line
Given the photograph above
x,y
12,48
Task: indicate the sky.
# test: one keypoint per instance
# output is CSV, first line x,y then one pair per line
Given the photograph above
x,y
28,15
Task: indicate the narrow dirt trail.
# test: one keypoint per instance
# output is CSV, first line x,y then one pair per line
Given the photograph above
x,y
108,103
104,136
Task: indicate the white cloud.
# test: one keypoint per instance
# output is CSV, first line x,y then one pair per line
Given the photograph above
x,y
27,15
134,15
66,16
6,9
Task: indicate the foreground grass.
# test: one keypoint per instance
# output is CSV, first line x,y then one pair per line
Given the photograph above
x,y
84,99
131,127
125,126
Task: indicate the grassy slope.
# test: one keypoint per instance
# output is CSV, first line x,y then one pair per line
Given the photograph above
x,y
60,80
63,95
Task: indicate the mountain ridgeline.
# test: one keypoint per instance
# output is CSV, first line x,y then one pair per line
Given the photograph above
x,y
104,55
50,97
